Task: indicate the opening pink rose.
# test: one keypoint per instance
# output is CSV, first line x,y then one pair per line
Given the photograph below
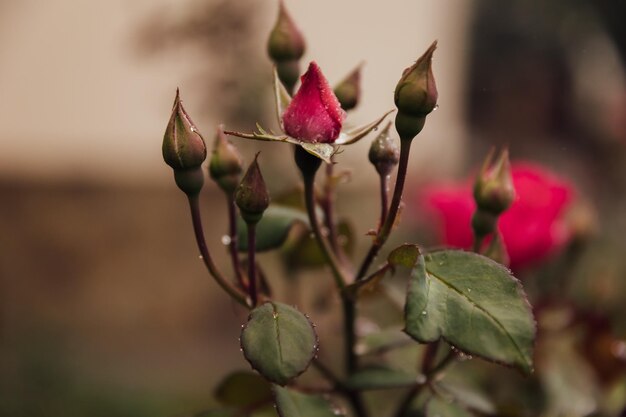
x,y
532,229
314,115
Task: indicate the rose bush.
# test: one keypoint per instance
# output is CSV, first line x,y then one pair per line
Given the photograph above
x,y
534,227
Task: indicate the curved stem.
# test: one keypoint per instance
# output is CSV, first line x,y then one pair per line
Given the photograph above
x,y
383,234
232,246
236,294
252,287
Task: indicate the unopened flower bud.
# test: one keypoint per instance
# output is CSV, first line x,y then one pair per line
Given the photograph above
x,y
252,196
285,47
384,152
286,42
184,149
183,146
226,164
348,91
416,95
314,115
494,191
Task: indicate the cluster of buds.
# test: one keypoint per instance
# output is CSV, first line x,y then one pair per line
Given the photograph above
x,y
494,193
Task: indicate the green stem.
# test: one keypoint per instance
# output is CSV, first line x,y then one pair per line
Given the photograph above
x,y
235,293
233,244
252,281
383,234
329,210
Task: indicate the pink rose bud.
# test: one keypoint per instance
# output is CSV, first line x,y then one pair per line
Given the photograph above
x,y
416,95
226,164
183,146
285,47
493,190
314,115
252,196
348,91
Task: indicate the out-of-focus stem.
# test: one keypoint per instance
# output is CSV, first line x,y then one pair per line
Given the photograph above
x,y
383,234
235,293
252,281
233,244
384,200
329,210
309,196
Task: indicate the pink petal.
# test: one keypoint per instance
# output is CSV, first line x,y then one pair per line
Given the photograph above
x,y
314,114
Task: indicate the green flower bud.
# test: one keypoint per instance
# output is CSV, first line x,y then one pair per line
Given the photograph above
x,y
252,196
183,146
416,95
286,42
226,164
348,91
494,191
384,152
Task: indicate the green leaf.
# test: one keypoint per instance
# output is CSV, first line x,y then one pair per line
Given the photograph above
x,y
472,302
470,399
406,255
379,342
281,97
358,133
438,407
243,388
291,403
380,378
278,341
273,228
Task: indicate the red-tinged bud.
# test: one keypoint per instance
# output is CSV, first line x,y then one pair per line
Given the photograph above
x,y
348,91
184,149
252,196
314,115
494,191
384,152
285,47
183,146
416,95
286,42
226,164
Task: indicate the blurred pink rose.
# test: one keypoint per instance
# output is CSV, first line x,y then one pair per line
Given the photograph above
x,y
532,229
314,114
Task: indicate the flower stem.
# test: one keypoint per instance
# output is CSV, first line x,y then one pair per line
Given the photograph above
x,y
232,246
235,293
383,234
384,199
252,287
309,196
329,212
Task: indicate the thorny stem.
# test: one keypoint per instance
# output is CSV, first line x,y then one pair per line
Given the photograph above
x,y
384,199
252,280
232,246
235,293
383,234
